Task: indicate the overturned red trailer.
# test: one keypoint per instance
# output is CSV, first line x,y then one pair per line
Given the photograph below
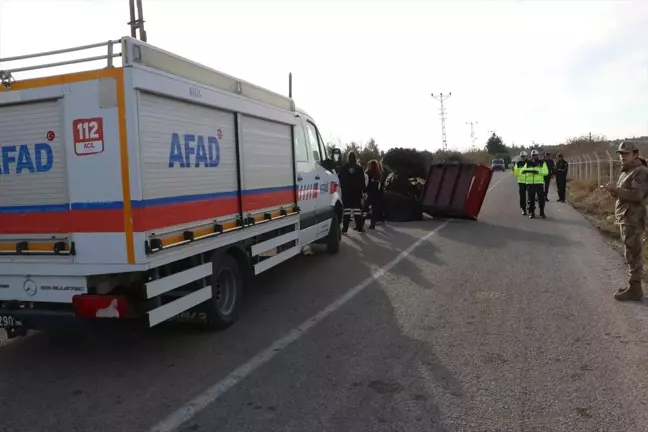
x,y
455,190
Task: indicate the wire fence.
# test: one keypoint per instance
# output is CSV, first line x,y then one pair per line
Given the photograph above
x,y
604,168
600,166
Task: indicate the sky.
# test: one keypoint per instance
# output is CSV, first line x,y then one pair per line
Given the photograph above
x,y
532,71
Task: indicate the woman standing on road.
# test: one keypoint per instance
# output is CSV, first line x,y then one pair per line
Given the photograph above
x,y
374,174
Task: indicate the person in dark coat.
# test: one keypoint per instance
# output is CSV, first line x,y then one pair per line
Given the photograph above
x,y
352,183
381,195
547,179
374,177
562,167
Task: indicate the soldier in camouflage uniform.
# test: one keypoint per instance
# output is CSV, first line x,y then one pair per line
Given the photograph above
x,y
631,193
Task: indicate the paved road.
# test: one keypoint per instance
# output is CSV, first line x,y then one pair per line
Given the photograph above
x,y
506,324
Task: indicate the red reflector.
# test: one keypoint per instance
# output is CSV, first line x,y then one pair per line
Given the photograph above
x,y
334,187
99,306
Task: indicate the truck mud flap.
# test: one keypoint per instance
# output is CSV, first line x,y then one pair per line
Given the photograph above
x,y
455,190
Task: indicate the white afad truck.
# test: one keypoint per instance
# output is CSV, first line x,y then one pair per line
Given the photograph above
x,y
151,190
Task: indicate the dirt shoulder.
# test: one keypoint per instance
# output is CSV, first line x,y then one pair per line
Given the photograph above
x,y
598,207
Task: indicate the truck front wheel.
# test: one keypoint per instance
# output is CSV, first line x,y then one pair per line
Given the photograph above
x,y
227,293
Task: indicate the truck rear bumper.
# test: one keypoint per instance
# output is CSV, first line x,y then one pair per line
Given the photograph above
x,y
58,319
37,319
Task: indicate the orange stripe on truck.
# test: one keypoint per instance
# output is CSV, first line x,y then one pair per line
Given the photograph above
x,y
125,170
62,79
147,215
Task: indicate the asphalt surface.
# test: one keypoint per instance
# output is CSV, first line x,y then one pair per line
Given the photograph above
x,y
505,324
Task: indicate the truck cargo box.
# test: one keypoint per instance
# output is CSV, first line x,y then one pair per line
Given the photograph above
x,y
114,166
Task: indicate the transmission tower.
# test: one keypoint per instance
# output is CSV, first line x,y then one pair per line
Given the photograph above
x,y
441,97
472,133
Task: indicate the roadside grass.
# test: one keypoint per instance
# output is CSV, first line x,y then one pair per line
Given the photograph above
x,y
596,205
598,208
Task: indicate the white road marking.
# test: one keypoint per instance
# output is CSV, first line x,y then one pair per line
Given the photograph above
x,y
496,183
209,396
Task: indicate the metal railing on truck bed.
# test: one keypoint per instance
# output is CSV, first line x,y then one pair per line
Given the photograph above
x,y
6,76
134,52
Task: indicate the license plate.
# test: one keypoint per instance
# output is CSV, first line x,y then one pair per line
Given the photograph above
x,y
9,321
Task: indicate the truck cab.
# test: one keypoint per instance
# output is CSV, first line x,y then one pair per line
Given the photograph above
x,y
317,182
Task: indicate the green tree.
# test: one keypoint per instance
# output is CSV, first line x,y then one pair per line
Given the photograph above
x,y
495,145
428,157
450,156
406,162
370,151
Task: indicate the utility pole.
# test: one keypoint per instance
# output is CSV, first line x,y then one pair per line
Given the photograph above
x,y
137,23
441,97
472,133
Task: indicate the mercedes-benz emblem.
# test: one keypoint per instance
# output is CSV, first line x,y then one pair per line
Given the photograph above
x,y
30,287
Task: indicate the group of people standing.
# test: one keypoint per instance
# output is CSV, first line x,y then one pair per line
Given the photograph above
x,y
362,193
534,178
630,210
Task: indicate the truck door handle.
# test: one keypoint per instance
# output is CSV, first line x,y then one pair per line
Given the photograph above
x,y
300,178
317,177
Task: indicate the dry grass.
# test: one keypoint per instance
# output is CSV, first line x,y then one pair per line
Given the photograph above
x,y
598,208
597,205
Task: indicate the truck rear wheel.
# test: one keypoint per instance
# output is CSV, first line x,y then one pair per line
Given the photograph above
x,y
227,293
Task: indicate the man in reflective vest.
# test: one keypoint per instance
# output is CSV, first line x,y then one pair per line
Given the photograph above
x,y
521,181
535,172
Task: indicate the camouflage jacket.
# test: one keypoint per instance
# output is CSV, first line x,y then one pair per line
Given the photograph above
x,y
631,195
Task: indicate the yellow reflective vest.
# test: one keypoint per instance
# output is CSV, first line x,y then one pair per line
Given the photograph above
x,y
535,174
517,168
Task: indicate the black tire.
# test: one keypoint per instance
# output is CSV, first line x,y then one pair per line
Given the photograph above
x,y
402,208
334,237
224,307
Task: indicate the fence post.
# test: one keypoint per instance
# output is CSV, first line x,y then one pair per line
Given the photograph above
x,y
598,169
578,165
609,156
588,167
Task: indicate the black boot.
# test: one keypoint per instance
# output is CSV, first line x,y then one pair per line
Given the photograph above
x,y
542,214
532,215
359,223
346,220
